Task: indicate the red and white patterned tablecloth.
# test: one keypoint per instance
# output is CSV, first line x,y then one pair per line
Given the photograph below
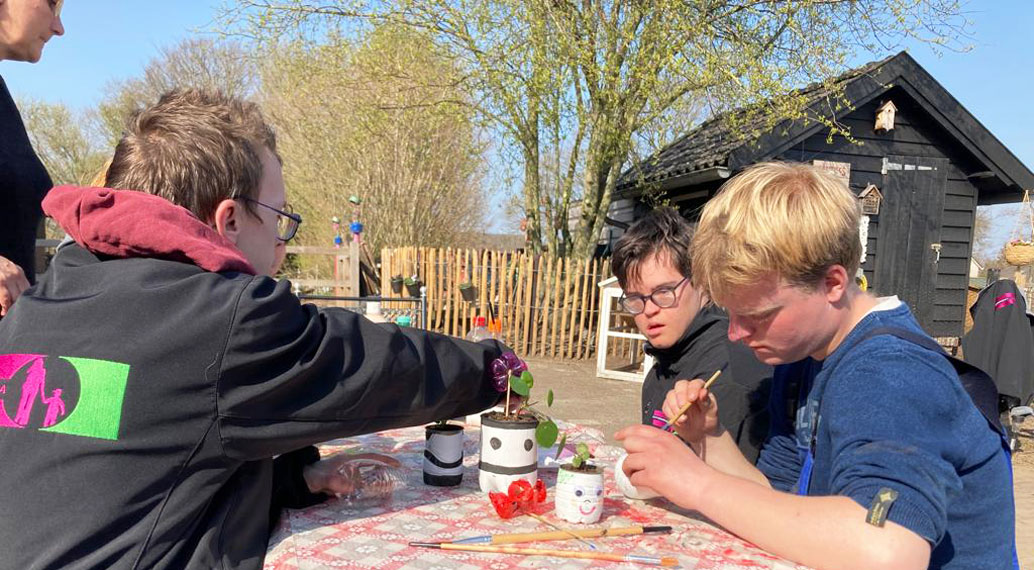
x,y
337,534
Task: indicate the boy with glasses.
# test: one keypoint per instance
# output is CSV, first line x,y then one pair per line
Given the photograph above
x,y
685,334
156,369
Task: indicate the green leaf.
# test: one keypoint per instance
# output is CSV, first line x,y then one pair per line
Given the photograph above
x,y
518,385
581,450
560,447
576,461
526,377
546,433
549,398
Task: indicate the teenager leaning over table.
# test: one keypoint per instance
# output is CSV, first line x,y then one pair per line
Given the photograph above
x,y
182,366
888,463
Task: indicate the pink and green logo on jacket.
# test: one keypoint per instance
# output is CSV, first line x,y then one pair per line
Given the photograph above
x,y
62,394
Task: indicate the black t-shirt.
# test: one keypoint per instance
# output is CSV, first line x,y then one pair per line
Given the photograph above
x,y
23,183
742,390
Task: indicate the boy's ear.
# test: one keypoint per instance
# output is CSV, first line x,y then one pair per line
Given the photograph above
x,y
837,282
227,219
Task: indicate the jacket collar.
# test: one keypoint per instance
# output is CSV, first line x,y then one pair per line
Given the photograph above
x,y
128,223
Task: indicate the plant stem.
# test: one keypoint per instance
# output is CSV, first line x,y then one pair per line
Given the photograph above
x,y
506,410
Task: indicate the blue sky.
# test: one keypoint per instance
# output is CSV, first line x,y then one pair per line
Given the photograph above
x,y
108,40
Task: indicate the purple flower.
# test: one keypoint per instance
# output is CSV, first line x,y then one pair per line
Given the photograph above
x,y
500,375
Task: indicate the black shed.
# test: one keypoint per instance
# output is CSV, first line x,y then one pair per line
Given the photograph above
x,y
927,175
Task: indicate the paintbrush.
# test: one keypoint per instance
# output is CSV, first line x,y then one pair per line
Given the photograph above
x,y
688,405
563,530
669,561
562,535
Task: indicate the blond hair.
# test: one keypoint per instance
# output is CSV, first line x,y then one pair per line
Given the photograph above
x,y
788,219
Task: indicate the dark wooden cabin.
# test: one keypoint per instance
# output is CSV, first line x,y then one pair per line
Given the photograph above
x,y
932,169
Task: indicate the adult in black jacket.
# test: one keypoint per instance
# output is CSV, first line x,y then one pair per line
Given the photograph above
x,y
154,371
25,26
687,336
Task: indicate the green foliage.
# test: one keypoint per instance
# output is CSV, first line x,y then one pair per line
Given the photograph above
x,y
581,455
522,384
578,89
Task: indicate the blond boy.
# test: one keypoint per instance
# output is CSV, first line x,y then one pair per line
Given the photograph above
x,y
888,464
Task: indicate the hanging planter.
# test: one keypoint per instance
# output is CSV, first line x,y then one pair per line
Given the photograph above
x,y
579,489
443,454
413,285
1018,251
469,292
396,284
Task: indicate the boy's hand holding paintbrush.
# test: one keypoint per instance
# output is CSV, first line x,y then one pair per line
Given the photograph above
x,y
693,410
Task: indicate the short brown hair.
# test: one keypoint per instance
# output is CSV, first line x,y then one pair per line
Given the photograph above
x,y
661,232
788,219
194,148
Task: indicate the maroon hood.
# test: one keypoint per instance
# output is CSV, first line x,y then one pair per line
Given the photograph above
x,y
127,223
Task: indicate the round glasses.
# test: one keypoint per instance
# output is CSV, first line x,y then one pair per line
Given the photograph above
x,y
663,297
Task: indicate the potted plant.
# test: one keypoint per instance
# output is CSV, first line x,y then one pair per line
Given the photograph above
x,y
396,284
510,441
413,285
469,292
443,454
579,488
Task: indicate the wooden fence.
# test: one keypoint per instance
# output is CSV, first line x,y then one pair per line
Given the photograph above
x,y
548,306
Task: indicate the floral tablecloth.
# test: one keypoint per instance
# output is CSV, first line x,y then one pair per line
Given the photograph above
x,y
338,534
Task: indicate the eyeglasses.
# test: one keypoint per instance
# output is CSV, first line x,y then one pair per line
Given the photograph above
x,y
663,297
56,6
287,221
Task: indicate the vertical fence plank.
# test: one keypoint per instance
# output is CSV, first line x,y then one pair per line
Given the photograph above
x,y
529,281
571,268
555,325
511,269
588,289
539,300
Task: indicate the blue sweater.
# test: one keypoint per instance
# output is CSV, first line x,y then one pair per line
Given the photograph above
x,y
894,414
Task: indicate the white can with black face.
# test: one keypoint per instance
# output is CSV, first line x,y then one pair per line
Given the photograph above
x,y
443,455
508,452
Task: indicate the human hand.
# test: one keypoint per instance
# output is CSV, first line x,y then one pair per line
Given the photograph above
x,y
334,475
701,419
657,460
12,284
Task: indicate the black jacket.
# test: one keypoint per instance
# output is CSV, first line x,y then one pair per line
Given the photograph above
x,y
23,182
742,389
1000,342
178,386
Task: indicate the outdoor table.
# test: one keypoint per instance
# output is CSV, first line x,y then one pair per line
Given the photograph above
x,y
337,534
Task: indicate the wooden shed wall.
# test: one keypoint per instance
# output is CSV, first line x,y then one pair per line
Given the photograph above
x,y
915,134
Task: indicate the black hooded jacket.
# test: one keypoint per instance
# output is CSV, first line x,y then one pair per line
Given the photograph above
x,y
741,391
143,398
1000,342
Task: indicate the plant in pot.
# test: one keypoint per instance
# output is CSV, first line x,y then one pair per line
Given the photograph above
x,y
413,284
443,454
510,441
579,488
469,292
396,284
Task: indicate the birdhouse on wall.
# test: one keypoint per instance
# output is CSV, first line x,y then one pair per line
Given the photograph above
x,y
885,116
870,198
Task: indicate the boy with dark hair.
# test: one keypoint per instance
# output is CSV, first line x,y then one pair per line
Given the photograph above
x,y
181,367
686,335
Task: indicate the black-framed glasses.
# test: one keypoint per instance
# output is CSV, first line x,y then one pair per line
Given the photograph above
x,y
664,297
287,221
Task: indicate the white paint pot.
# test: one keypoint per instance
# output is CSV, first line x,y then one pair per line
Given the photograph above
x,y
443,455
626,487
579,494
508,451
